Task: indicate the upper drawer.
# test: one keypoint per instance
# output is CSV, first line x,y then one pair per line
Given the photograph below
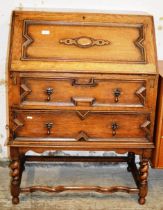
x,y
82,91
81,39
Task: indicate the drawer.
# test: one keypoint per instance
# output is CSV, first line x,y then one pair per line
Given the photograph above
x,y
80,126
82,92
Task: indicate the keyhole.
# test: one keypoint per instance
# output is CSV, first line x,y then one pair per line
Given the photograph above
x,y
83,17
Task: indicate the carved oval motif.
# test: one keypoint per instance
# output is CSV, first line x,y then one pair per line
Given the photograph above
x,y
84,41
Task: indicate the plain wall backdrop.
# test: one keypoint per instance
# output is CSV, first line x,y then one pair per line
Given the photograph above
x,y
154,7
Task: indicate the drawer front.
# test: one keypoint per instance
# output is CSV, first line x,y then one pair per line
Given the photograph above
x,y
82,92
75,41
81,126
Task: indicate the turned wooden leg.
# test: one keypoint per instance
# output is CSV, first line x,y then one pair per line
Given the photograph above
x,y
131,160
15,180
143,183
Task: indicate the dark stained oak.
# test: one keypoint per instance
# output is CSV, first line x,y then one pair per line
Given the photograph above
x,y
82,82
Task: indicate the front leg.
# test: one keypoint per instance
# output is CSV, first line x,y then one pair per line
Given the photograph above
x,y
143,183
15,180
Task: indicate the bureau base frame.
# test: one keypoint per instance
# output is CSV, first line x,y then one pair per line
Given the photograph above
x,y
140,175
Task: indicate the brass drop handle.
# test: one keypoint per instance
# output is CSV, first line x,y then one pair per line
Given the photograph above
x,y
114,128
49,126
49,91
117,93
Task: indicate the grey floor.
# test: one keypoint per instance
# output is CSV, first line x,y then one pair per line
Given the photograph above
x,y
79,174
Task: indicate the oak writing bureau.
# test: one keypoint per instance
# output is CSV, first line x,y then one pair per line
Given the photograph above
x,y
82,82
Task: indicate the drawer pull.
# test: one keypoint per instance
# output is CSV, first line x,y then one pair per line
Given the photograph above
x,y
49,91
117,93
114,128
49,126
84,42
87,83
83,101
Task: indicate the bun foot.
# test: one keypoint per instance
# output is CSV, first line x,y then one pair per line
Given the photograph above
x,y
15,200
141,201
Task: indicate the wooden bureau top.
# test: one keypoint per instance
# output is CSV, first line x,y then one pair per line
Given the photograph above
x,y
160,67
82,42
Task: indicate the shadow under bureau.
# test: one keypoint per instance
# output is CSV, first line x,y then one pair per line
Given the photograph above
x,y
82,82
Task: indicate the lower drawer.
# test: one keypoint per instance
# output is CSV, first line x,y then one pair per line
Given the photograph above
x,y
80,126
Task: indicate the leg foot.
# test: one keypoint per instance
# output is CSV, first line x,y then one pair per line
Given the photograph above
x,y
141,201
15,200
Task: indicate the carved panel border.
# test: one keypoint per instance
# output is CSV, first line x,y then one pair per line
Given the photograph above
x,y
139,42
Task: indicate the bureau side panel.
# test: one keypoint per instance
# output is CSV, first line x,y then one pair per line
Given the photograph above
x,y
158,153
